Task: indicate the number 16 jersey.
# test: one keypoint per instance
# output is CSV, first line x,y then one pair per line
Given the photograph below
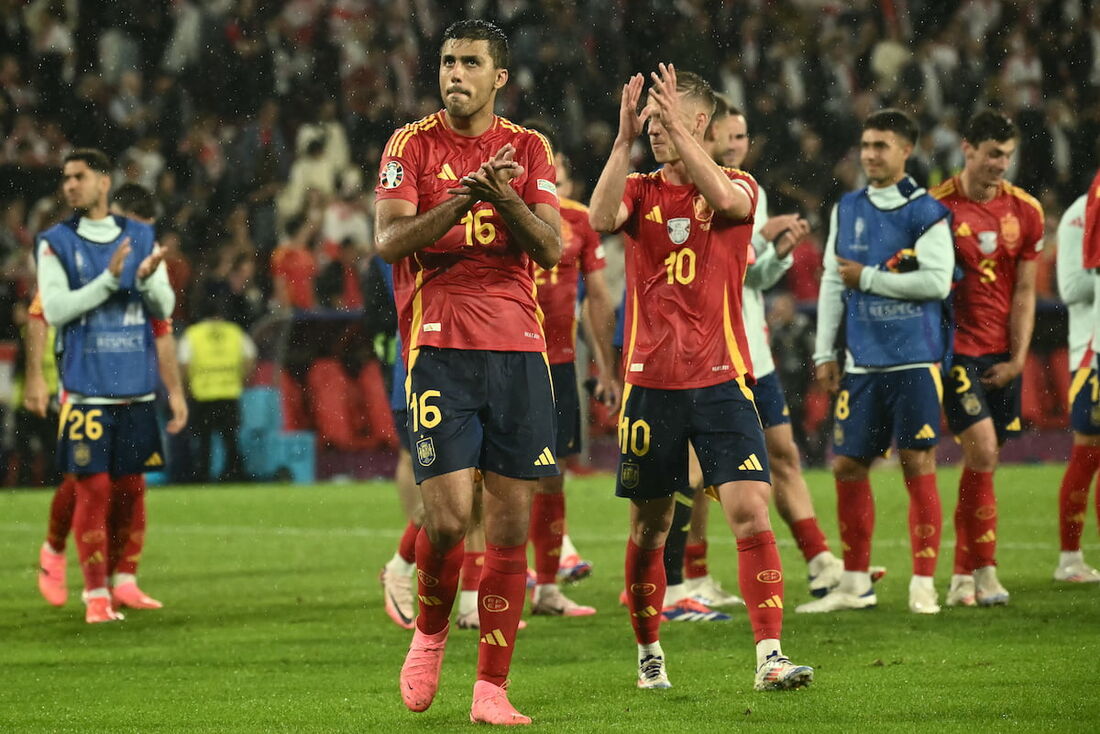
x,y
685,266
474,288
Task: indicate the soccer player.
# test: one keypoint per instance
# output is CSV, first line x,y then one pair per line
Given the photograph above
x,y
101,280
582,254
1076,287
998,232
773,240
127,533
688,227
465,203
888,266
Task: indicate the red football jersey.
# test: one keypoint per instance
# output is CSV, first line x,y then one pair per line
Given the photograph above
x,y
474,288
990,240
685,267
557,295
1091,243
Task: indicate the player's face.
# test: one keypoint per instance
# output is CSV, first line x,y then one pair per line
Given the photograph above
x,y
883,153
468,78
84,188
987,162
729,142
663,149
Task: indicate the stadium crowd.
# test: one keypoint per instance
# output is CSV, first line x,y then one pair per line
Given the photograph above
x,y
259,125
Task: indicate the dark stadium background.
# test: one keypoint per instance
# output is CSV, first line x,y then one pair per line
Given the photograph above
x,y
253,119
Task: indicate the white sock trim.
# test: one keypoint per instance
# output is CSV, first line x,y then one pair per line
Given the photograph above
x,y
765,649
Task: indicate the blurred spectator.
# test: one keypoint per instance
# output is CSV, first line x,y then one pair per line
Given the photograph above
x,y
340,283
347,217
294,266
792,340
179,272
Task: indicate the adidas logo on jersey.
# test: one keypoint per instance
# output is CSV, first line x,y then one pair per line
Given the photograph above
x,y
546,458
646,613
925,553
751,464
495,638
925,432
446,174
987,537
774,602
655,215
963,230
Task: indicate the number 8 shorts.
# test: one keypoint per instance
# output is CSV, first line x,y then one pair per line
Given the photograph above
x,y
470,408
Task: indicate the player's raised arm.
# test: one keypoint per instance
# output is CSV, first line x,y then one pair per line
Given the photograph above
x,y
606,211
685,127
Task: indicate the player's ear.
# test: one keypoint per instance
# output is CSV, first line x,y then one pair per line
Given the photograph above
x,y
502,78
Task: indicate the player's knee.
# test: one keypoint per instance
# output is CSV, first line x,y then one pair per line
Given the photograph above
x,y
982,456
446,532
848,470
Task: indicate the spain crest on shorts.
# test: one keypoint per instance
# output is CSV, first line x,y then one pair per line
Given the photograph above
x,y
425,451
678,230
629,475
971,404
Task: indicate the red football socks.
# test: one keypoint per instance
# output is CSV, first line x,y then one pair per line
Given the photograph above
x,y
856,515
93,498
695,560
811,541
406,548
472,563
436,583
500,604
547,528
979,515
1073,497
61,513
761,579
645,590
925,523
126,523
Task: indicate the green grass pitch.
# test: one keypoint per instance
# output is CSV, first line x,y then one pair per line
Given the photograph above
x,y
274,623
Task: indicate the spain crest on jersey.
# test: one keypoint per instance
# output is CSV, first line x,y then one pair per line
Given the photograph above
x,y
425,451
678,230
1010,231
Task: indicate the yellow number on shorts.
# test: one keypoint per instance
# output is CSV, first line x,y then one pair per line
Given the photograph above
x,y
1095,382
477,228
634,436
424,413
842,409
959,373
988,268
680,266
83,424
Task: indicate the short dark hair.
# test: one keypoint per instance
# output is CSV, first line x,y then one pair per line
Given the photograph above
x,y
723,108
481,30
135,199
893,120
95,159
990,125
690,84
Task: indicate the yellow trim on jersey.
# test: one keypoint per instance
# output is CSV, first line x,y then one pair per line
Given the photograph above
x,y
401,138
633,333
1023,196
566,203
945,189
513,127
731,339
937,379
1080,377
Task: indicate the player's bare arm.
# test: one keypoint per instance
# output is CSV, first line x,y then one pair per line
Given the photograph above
x,y
606,211
400,231
537,230
599,325
1021,325
827,375
850,271
786,231
169,368
36,394
723,196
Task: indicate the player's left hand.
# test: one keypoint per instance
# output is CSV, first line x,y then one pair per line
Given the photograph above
x,y
178,405
1000,374
849,271
609,392
149,264
491,181
664,97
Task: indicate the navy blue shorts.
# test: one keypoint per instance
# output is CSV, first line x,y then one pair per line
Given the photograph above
x,y
401,423
767,393
1084,401
876,409
116,439
655,426
568,406
966,400
493,411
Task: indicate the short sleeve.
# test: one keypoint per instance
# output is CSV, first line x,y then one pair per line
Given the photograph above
x,y
746,183
397,171
592,255
1032,230
541,186
161,327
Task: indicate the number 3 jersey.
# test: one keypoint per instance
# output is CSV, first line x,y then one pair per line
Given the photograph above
x,y
990,240
475,287
685,266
